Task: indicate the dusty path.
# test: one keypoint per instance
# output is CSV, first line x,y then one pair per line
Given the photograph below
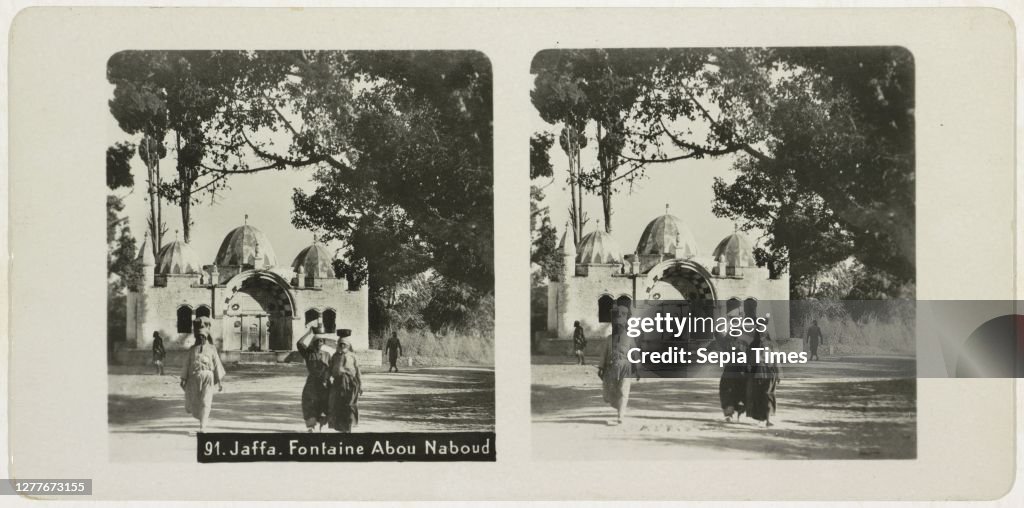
x,y
148,420
677,419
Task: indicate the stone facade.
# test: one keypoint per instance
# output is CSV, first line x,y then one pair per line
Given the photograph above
x,y
253,308
665,267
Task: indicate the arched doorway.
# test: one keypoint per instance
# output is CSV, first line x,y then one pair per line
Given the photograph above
x,y
680,288
260,309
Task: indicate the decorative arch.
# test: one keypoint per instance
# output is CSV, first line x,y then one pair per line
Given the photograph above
x,y
203,311
286,302
692,270
184,319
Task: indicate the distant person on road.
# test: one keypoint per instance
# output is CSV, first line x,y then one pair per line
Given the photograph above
x,y
346,386
615,370
815,339
159,353
579,343
316,391
202,371
393,348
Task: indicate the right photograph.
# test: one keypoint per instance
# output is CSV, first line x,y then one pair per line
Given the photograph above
x,y
722,254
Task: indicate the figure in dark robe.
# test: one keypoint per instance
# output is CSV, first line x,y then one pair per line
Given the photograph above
x,y
732,387
346,386
393,348
615,370
202,372
579,343
814,339
316,391
764,377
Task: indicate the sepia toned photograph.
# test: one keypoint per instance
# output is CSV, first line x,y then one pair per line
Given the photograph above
x,y
298,242
770,184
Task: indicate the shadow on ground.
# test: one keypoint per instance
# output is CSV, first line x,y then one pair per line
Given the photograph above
x,y
816,418
261,398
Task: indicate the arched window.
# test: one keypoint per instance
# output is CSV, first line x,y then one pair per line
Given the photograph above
x,y
184,319
623,301
604,309
750,307
732,305
312,315
203,311
329,321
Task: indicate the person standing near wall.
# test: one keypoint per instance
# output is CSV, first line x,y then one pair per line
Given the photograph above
x,y
579,343
159,353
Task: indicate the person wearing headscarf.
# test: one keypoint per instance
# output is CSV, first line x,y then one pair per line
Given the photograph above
x,y
393,348
615,369
202,371
732,387
346,386
316,391
763,378
159,353
579,343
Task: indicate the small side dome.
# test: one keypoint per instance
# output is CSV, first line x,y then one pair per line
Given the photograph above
x,y
246,245
667,235
734,250
316,261
598,248
177,258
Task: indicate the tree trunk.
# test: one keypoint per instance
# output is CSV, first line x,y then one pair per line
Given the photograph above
x,y
154,200
608,159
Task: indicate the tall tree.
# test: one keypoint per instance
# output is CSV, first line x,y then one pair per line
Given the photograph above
x,y
123,270
182,92
139,107
605,89
825,158
400,144
544,250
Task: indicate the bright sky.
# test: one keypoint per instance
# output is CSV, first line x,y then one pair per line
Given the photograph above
x,y
264,196
683,185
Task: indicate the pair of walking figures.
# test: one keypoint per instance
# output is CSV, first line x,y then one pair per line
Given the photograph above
x,y
333,382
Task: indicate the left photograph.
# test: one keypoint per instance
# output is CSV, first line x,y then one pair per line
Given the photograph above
x,y
298,242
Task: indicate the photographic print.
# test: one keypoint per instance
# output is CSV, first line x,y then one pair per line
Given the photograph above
x,y
298,242
774,185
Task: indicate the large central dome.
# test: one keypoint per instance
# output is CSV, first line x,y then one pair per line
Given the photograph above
x,y
665,235
246,245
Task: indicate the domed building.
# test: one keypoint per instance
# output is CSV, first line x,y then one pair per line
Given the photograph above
x,y
256,305
666,272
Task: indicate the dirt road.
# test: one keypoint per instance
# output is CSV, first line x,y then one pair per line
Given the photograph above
x,y
148,421
677,419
